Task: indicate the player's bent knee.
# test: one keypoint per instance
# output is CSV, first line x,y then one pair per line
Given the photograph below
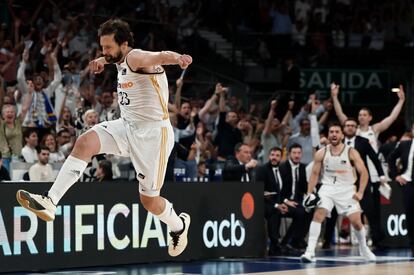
x,y
356,221
319,215
155,205
87,145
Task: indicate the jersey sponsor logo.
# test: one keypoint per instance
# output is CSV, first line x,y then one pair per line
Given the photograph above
x,y
125,85
338,171
343,161
124,71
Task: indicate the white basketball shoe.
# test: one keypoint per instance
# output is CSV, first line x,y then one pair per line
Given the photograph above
x,y
367,254
179,239
307,257
41,205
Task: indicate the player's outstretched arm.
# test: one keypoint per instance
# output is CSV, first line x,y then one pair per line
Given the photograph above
x,y
389,120
362,171
141,59
337,105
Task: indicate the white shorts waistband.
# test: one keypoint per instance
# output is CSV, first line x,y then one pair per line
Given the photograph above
x,y
148,124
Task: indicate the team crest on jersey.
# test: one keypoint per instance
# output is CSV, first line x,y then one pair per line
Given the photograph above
x,y
124,71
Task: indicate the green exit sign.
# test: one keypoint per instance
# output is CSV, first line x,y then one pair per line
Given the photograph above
x,y
358,87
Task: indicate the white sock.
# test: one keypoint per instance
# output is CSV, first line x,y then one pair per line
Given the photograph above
x,y
170,218
70,172
314,231
362,241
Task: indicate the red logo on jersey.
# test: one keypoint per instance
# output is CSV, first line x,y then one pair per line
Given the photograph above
x,y
125,85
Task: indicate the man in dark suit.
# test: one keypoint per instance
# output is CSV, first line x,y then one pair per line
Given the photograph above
x,y
295,186
370,203
405,152
274,207
240,167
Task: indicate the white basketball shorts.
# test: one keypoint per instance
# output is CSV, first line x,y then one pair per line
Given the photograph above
x,y
148,144
339,197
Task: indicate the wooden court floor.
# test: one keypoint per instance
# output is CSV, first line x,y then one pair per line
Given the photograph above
x,y
337,261
398,268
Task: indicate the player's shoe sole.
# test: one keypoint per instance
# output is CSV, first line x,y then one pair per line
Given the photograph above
x,y
37,204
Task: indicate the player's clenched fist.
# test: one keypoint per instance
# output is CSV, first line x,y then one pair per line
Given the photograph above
x,y
184,60
97,65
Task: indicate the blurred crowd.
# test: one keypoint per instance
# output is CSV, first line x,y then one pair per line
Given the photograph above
x,y
48,97
314,30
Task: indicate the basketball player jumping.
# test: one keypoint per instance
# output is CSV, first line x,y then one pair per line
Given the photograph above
x,y
143,132
337,163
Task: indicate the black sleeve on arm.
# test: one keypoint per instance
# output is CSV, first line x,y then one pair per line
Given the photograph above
x,y
222,120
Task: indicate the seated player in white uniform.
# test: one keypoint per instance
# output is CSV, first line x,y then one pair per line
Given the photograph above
x,y
143,132
336,163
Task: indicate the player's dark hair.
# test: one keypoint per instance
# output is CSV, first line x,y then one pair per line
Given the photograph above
x,y
61,131
293,146
335,124
28,132
303,120
275,149
39,148
238,146
367,110
120,29
351,119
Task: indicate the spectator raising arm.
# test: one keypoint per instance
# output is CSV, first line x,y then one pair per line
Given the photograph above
x,y
288,116
314,125
304,112
209,103
57,76
270,117
27,100
327,107
21,78
246,129
222,102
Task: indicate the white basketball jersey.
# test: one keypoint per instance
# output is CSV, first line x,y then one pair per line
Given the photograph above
x,y
338,170
142,97
370,135
373,140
